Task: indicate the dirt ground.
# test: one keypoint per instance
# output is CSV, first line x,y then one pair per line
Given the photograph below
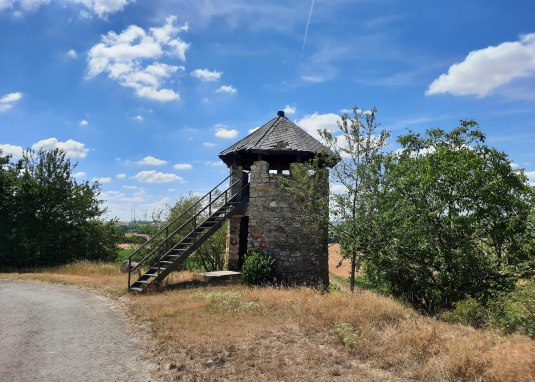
x,y
334,260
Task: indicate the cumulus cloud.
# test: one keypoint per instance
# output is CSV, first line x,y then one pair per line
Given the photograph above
x,y
208,144
101,8
14,151
80,174
215,164
182,166
289,109
72,54
253,129
154,176
229,89
221,131
102,180
484,70
84,122
130,59
138,118
25,5
311,123
151,161
71,147
206,75
8,101
121,176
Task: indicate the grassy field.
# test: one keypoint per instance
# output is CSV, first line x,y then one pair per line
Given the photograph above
x,y
240,333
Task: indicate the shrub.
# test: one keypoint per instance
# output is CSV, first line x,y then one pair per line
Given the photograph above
x,y
468,312
258,268
346,333
516,311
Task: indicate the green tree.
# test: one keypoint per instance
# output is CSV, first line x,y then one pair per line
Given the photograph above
x,y
356,160
210,256
453,217
52,219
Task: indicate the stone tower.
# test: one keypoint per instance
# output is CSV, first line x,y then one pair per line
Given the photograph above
x,y
269,221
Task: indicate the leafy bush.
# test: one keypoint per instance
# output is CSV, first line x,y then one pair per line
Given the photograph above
x,y
468,312
258,268
510,313
346,333
515,312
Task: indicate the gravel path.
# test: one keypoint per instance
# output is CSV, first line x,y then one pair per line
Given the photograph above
x,y
55,333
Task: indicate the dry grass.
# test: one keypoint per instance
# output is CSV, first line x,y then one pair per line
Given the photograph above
x,y
238,333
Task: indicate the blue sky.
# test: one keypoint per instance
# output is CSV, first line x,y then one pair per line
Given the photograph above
x,y
145,94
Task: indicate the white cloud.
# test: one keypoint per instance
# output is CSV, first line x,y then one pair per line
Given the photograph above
x,y
154,176
138,118
71,147
25,5
84,122
514,165
7,102
121,176
103,7
253,129
215,164
289,109
11,97
208,144
151,161
72,54
338,188
102,180
222,132
14,151
206,75
484,70
99,7
311,123
80,174
229,89
129,58
530,175
182,166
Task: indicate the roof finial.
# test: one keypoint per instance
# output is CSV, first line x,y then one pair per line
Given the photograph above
x,y
280,113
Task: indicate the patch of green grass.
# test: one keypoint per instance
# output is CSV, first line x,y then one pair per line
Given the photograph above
x,y
123,254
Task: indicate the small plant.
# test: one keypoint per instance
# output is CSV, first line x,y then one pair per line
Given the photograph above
x,y
468,312
258,268
346,333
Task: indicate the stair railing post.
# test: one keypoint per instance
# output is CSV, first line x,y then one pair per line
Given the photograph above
x,y
129,270
210,204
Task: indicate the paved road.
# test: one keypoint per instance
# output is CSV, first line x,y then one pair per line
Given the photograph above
x,y
55,333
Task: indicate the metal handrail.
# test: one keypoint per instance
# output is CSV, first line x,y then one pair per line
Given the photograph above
x,y
170,236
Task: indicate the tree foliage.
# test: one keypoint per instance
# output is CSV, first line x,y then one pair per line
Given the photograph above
x,y
452,220
47,217
210,256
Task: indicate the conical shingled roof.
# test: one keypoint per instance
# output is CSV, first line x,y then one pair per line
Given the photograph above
x,y
279,137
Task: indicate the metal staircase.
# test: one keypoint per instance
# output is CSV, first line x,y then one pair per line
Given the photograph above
x,y
172,245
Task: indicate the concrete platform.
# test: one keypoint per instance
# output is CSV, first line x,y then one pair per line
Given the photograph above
x,y
221,276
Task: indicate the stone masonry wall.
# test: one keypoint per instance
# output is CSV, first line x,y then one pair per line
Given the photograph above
x,y
274,226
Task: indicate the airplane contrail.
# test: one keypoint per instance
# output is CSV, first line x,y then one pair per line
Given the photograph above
x,y
306,28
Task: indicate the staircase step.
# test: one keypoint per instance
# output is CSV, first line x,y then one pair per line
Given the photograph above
x,y
142,282
136,289
150,274
165,262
